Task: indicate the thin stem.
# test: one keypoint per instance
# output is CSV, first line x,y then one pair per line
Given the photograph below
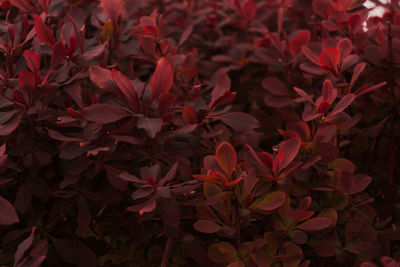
x,y
237,216
167,252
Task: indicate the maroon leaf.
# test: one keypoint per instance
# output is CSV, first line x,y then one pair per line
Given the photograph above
x,y
162,79
102,78
239,121
290,148
151,125
8,215
25,6
24,246
358,69
345,47
249,9
315,224
206,226
58,55
127,88
270,201
113,9
343,103
189,115
297,42
32,61
275,86
310,55
361,182
10,125
103,113
43,32
221,90
58,136
226,157
65,249
329,59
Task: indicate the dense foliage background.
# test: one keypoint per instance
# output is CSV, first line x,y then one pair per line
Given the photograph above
x,y
199,133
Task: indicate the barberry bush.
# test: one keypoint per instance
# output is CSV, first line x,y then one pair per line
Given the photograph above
x,y
199,133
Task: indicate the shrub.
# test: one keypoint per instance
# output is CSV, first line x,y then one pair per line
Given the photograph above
x,y
199,133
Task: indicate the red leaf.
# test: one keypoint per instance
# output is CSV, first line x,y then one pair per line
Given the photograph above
x,y
249,9
328,93
297,42
189,115
315,224
226,157
275,86
8,215
127,88
162,79
329,58
290,148
206,226
23,246
270,201
103,113
361,182
239,121
221,89
10,125
43,32
358,69
343,104
389,262
102,78
151,125
113,9
310,55
32,61
345,47
74,91
25,6
58,55
60,137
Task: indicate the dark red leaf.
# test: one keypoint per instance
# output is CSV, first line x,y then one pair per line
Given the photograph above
x,y
329,59
151,125
32,61
43,32
298,41
249,9
289,148
206,226
315,224
10,125
113,9
127,88
343,103
271,201
8,215
226,157
189,115
221,89
239,121
103,113
275,86
24,246
162,79
25,6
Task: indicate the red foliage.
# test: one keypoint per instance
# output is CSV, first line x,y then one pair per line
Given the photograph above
x,y
199,133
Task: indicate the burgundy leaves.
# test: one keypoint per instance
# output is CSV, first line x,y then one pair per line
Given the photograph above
x,y
162,80
222,168
127,88
43,32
